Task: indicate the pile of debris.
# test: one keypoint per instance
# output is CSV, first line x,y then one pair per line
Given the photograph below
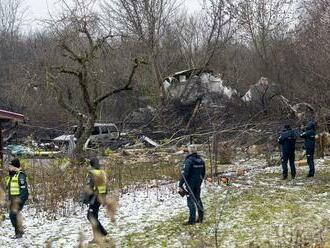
x,y
190,85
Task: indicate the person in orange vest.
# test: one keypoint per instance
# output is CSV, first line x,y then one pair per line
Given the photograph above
x,y
18,193
97,190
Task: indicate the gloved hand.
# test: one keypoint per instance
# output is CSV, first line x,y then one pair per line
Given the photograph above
x,y
85,197
182,191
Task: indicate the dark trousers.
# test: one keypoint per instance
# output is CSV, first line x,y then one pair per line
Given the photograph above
x,y
193,203
310,161
285,158
16,206
93,217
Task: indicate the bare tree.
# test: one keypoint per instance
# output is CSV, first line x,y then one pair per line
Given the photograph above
x,y
145,21
313,48
202,35
77,78
264,21
314,38
12,14
220,26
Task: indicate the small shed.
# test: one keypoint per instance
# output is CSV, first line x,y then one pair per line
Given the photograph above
x,y
7,116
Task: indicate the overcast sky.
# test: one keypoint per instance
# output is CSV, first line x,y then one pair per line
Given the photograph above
x,y
38,9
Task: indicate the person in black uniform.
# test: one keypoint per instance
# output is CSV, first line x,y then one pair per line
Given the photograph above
x,y
17,188
192,175
309,136
287,140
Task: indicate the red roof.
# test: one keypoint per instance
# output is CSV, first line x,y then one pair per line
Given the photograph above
x,y
10,116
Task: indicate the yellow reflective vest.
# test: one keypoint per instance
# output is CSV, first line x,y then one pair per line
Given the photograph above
x,y
99,180
12,184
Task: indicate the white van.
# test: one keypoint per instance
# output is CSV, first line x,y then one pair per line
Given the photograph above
x,y
101,134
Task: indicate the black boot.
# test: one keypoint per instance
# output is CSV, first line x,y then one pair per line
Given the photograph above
x,y
18,234
200,217
189,223
199,220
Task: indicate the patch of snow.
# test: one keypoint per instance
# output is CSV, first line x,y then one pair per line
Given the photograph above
x,y
137,210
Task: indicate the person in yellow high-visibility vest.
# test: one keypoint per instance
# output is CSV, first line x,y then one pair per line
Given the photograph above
x,y
97,184
17,189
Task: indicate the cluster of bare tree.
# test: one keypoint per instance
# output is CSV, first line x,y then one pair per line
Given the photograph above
x,y
78,68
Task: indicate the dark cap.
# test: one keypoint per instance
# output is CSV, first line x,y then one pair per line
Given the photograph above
x,y
287,126
16,163
311,125
94,162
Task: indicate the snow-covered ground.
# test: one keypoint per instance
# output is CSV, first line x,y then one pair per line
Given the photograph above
x,y
137,209
260,208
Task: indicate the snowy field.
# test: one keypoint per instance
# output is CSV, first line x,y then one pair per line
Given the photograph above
x,y
260,210
137,209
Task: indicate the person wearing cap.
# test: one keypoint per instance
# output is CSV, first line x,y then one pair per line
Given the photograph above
x,y
192,176
17,188
287,140
97,189
309,136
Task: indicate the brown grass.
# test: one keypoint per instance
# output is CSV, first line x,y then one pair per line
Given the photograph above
x,y
225,152
2,204
111,205
51,185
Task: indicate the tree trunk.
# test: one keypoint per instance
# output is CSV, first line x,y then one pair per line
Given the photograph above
x,y
159,79
78,153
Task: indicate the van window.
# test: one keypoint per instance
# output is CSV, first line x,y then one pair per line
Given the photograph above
x,y
96,131
112,129
73,129
104,130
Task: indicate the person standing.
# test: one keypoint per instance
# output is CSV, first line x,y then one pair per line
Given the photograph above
x,y
287,140
309,136
17,188
192,176
97,189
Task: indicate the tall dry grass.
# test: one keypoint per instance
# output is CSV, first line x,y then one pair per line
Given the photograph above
x,y
54,186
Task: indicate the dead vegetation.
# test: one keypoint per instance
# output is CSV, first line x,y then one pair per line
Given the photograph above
x,y
54,186
3,204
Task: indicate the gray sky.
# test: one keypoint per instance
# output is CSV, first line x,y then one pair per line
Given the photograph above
x,y
38,9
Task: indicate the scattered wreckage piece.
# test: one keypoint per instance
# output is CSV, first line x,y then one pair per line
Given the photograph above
x,y
190,85
25,151
140,117
149,141
267,95
262,92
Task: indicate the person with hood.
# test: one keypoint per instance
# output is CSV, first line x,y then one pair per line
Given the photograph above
x,y
17,188
192,175
95,197
287,140
309,135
